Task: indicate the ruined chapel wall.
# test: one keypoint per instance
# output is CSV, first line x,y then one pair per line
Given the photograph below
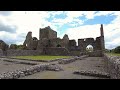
x,y
43,34
56,51
23,52
81,45
52,34
98,44
72,45
1,52
47,33
34,45
97,53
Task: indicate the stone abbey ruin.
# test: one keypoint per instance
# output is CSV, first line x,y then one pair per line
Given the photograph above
x,y
49,44
82,64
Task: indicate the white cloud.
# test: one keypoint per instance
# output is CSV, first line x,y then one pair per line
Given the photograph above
x,y
75,14
84,32
105,13
111,33
25,21
5,13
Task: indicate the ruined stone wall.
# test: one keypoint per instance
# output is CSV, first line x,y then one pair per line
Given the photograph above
x,y
3,45
23,52
42,43
56,51
113,66
81,44
90,41
98,44
52,34
1,52
48,33
28,40
97,53
65,41
56,41
43,34
34,45
72,45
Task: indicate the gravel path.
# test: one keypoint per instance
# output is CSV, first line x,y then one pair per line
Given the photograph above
x,y
8,66
90,63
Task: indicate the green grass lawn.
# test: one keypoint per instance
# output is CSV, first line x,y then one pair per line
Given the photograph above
x,y
113,54
42,57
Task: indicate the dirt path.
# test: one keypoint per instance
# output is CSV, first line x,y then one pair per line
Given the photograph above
x,y
8,66
90,63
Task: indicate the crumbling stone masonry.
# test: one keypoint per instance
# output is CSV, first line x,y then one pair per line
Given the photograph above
x,y
3,45
48,39
113,66
3,48
50,44
30,42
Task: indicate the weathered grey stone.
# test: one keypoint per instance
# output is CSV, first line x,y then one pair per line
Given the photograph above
x,y
70,60
29,71
54,67
92,73
3,45
23,52
113,66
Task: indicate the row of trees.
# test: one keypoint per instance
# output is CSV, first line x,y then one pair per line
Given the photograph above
x,y
14,46
115,50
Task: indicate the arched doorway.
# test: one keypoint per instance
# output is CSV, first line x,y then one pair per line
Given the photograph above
x,y
89,48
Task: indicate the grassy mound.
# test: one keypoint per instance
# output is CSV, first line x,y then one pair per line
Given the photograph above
x,y
41,57
113,54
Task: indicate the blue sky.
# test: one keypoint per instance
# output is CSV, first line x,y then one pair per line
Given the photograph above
x,y
14,25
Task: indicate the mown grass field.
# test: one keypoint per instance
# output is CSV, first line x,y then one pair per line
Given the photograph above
x,y
113,54
41,57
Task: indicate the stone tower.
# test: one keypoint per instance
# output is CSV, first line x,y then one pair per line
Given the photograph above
x,y
47,33
102,37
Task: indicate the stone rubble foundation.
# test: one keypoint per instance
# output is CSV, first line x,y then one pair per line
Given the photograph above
x,y
70,60
92,73
113,66
29,71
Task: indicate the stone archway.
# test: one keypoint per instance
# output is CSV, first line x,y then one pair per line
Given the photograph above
x,y
89,48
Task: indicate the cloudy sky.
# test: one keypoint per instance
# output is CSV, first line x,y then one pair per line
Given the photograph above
x,y
14,25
